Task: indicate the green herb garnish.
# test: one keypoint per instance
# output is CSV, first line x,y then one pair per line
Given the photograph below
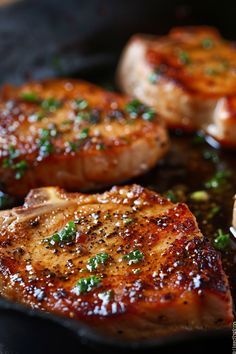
x,y
81,104
20,168
85,285
99,259
134,257
30,97
84,133
72,146
136,108
221,242
127,220
66,234
219,179
36,117
184,57
83,116
149,114
207,43
100,147
45,144
9,162
51,104
171,196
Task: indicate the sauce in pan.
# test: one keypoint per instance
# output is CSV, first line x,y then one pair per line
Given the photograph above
x,y
204,178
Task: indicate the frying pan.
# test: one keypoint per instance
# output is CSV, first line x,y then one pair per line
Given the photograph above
x,y
40,39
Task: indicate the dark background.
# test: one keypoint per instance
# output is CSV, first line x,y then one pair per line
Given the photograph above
x,y
45,38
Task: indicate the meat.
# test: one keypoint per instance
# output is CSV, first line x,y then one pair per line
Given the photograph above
x,y
128,262
74,135
188,76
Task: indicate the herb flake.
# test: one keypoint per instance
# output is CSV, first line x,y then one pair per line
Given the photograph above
x,y
136,108
85,285
100,259
222,240
134,257
66,234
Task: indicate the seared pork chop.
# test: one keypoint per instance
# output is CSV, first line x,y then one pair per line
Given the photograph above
x,y
75,135
128,262
188,76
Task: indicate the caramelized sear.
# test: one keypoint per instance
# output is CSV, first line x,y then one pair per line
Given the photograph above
x,y
74,135
128,262
188,76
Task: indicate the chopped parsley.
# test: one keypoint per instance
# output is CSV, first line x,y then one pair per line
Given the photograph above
x,y
30,97
84,133
20,167
184,57
85,285
82,116
134,257
100,259
66,234
45,144
100,147
127,220
13,153
81,104
72,146
218,180
37,116
207,43
171,196
222,240
51,104
136,108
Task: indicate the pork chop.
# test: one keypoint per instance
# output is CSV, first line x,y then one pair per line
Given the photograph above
x,y
128,262
188,76
74,135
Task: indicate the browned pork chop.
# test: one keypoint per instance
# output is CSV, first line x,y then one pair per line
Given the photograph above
x,y
188,76
128,262
75,135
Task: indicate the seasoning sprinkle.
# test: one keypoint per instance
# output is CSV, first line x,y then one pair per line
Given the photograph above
x,y
85,285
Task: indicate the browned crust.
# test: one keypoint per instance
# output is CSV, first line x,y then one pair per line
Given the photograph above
x,y
123,141
181,283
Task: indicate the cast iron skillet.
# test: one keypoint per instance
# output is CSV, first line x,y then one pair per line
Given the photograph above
x,y
23,330
83,39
